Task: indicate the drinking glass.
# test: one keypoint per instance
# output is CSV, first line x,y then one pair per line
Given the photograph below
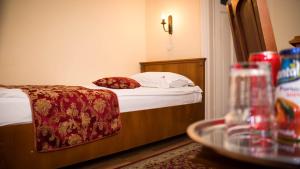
x,y
249,120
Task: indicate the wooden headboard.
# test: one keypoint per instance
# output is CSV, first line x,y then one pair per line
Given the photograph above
x,y
191,68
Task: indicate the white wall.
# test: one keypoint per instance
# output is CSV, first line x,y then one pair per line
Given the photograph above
x,y
285,18
70,41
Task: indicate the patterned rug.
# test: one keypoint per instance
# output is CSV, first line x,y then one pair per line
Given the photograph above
x,y
193,156
176,158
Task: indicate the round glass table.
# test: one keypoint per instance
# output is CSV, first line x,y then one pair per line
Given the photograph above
x,y
212,134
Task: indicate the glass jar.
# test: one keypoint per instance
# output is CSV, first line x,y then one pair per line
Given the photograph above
x,y
287,95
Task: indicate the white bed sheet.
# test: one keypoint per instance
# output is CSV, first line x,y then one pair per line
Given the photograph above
x,y
15,106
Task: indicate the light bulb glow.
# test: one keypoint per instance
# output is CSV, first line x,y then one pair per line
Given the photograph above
x,y
163,16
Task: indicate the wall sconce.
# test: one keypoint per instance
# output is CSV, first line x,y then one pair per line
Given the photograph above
x,y
170,24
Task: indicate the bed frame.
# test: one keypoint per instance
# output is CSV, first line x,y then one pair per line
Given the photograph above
x,y
139,127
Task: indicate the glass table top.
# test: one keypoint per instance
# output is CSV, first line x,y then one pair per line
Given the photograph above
x,y
242,146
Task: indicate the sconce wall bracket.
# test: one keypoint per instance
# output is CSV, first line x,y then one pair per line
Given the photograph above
x,y
170,24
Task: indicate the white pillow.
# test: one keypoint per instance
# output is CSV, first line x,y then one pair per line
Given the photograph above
x,y
162,80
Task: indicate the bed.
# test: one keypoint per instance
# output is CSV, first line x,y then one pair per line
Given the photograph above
x,y
140,127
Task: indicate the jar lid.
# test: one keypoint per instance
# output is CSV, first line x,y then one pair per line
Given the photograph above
x,y
264,53
291,51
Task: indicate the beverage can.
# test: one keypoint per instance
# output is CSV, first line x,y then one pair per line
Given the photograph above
x,y
287,96
273,58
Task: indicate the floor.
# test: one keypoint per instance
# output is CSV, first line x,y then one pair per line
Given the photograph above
x,y
120,159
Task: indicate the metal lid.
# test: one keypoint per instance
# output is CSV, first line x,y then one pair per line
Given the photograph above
x,y
264,53
245,65
291,51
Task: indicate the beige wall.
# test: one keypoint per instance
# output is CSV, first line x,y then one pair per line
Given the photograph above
x,y
185,41
285,16
70,41
74,42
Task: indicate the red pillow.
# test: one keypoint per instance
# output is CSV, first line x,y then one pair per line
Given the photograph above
x,y
117,83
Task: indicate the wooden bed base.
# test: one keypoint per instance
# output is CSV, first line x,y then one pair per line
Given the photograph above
x,y
139,127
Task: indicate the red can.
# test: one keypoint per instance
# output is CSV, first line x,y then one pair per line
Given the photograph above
x,y
268,56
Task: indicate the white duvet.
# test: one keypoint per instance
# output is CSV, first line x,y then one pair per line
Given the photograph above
x,y
15,106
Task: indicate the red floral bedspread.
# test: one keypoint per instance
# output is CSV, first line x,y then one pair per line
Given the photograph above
x,y
66,116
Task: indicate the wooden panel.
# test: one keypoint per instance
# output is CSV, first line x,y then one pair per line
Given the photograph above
x,y
251,27
295,41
